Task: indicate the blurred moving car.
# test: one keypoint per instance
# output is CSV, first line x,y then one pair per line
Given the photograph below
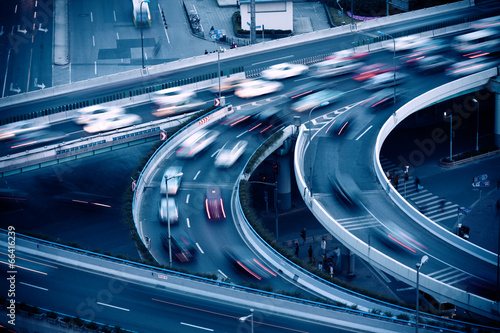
x,y
470,66
85,200
172,96
394,237
316,99
329,68
432,46
173,213
114,122
214,204
230,153
35,138
227,85
9,131
183,249
173,183
433,63
248,265
340,125
477,41
347,54
366,72
407,43
309,88
385,80
181,107
196,143
284,71
256,88
381,98
97,112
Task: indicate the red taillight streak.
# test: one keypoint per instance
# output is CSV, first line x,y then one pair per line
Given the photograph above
x,y
248,270
24,144
100,204
479,55
251,129
240,120
267,269
380,102
12,198
265,129
413,241
409,248
328,129
343,127
304,93
368,100
208,211
222,208
194,149
466,68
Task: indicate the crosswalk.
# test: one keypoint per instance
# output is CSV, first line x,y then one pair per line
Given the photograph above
x,y
358,222
432,206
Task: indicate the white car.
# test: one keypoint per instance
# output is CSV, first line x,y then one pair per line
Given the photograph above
x,y
107,124
407,43
185,106
257,88
284,71
21,127
173,214
174,183
197,143
172,96
230,153
470,66
95,112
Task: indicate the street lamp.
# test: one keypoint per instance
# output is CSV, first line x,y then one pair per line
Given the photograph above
x,y
419,264
243,319
309,143
477,124
142,38
451,133
338,3
275,201
168,217
394,64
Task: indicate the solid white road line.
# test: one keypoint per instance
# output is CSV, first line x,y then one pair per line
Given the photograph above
x,y
199,248
200,327
196,176
224,275
187,198
263,62
359,137
188,223
37,287
112,306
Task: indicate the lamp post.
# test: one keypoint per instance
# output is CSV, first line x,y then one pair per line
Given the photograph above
x,y
275,201
394,65
419,264
142,38
309,143
168,218
338,3
451,133
243,319
477,124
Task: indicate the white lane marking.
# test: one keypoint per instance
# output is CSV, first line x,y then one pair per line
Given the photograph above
x,y
224,275
199,248
30,285
188,223
263,62
114,15
93,40
216,152
15,10
91,17
243,133
187,198
95,67
359,137
117,36
112,306
200,327
196,176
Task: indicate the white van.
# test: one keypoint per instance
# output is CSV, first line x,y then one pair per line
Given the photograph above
x,y
444,309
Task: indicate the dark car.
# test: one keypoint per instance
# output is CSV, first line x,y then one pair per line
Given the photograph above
x,y
248,265
183,249
214,204
381,98
340,125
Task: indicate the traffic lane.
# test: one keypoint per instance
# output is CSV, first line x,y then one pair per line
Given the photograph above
x,y
46,209
138,306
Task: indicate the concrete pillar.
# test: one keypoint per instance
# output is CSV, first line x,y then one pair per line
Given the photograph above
x,y
284,183
351,269
494,86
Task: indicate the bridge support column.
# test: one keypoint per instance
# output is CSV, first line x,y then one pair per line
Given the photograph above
x,y
284,182
494,86
351,268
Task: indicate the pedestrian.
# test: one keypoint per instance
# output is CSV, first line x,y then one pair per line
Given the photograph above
x,y
303,234
442,203
396,181
320,266
297,249
314,262
417,184
331,270
206,52
310,252
323,245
